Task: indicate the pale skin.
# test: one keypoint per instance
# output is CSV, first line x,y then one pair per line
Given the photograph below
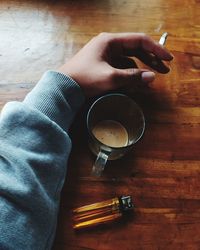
x,y
105,63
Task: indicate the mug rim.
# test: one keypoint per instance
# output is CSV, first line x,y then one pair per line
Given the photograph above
x,y
101,143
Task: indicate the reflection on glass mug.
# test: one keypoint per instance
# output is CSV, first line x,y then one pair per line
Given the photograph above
x,y
115,123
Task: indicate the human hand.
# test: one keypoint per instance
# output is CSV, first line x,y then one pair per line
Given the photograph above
x,y
104,63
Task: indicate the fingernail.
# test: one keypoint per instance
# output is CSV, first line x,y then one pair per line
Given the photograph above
x,y
172,56
148,76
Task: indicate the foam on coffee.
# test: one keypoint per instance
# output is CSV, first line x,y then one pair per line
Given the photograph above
x,y
111,133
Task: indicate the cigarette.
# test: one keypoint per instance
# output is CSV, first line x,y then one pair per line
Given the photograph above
x,y
163,39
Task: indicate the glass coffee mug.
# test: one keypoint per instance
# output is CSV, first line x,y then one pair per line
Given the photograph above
x,y
115,123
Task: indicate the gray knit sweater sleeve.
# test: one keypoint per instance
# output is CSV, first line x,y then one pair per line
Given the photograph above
x,y
57,96
34,150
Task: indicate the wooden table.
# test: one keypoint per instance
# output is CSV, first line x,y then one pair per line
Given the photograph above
x,y
162,172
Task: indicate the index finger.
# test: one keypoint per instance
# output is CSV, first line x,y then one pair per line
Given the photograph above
x,y
130,42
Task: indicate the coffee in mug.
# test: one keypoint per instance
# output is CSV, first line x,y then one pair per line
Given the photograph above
x,y
111,133
115,123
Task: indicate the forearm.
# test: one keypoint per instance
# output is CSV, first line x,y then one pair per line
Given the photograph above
x,y
34,151
57,96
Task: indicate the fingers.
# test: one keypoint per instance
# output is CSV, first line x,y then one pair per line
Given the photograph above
x,y
152,61
148,59
128,76
129,43
122,62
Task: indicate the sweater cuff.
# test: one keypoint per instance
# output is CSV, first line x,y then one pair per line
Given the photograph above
x,y
57,96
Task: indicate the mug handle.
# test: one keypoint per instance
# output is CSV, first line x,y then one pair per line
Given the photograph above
x,y
100,163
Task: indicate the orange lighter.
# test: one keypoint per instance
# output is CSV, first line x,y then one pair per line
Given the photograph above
x,y
101,212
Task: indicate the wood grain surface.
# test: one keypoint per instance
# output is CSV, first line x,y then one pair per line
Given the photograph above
x,y
162,172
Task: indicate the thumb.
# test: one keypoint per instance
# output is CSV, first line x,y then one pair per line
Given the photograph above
x,y
128,76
